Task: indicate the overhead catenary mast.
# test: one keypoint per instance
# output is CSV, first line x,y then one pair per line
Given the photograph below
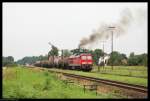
x,y
112,28
103,53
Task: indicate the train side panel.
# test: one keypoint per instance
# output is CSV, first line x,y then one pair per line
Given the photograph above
x,y
74,61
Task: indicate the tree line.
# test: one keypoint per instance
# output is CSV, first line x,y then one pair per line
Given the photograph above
x,y
32,59
8,61
115,57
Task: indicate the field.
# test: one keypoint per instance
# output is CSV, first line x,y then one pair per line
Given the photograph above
x,y
22,82
132,71
131,74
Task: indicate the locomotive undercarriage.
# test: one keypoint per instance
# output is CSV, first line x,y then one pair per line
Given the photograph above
x,y
86,67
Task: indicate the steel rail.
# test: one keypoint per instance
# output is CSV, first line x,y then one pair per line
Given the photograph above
x,y
139,88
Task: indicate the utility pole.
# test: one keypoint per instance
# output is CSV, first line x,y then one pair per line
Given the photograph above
x,y
98,65
103,56
112,50
112,28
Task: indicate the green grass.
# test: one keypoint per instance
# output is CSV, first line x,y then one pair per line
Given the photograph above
x,y
125,79
136,68
139,71
19,82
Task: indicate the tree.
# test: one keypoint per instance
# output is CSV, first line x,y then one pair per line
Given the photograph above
x,y
137,59
114,58
53,51
144,59
8,60
123,56
79,51
132,54
141,59
96,55
32,59
66,53
117,59
123,59
75,51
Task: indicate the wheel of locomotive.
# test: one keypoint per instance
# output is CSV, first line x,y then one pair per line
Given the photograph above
x,y
73,67
69,67
64,65
89,68
86,68
55,65
77,68
59,66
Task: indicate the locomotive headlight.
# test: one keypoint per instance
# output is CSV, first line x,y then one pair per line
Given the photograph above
x,y
89,62
84,63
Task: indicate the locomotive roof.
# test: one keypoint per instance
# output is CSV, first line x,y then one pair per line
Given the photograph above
x,y
85,54
80,55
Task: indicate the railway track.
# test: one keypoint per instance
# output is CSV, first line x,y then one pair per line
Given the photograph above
x,y
113,83
138,88
108,82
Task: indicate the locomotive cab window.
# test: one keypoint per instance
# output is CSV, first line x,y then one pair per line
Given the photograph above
x,y
83,57
89,57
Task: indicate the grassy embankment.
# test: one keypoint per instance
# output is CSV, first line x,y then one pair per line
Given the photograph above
x,y
26,83
138,71
117,70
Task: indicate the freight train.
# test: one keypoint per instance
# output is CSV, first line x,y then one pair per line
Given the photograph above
x,y
81,61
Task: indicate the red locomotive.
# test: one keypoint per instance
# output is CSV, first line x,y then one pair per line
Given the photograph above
x,y
81,62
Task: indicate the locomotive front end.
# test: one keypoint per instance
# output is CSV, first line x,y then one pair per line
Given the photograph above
x,y
86,62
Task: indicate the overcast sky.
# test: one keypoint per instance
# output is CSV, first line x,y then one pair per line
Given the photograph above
x,y
28,27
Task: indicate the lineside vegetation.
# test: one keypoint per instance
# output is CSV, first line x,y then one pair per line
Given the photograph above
x,y
125,79
19,82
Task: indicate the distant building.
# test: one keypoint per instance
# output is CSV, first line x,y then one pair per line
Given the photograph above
x,y
37,62
103,60
27,64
